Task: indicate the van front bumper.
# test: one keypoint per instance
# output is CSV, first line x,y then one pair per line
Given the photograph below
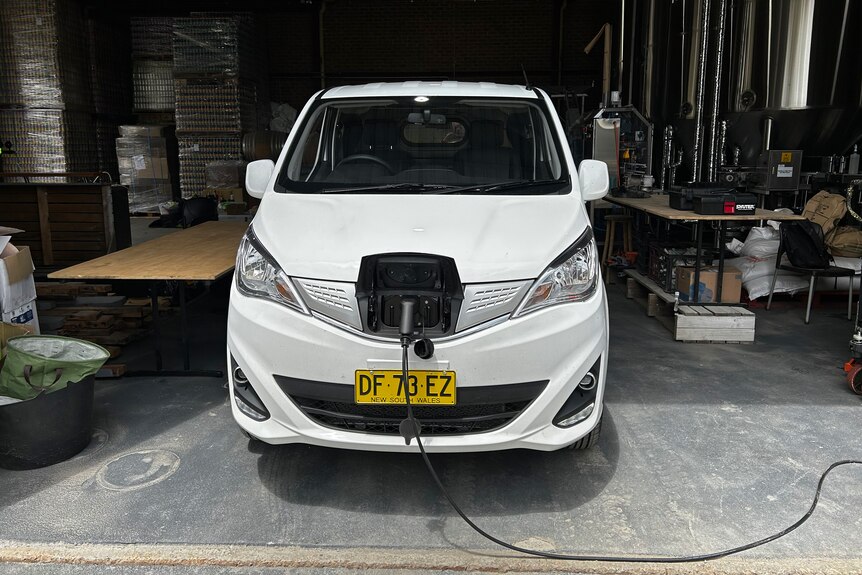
x,y
545,353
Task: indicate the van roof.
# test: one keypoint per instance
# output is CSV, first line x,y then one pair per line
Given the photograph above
x,y
421,88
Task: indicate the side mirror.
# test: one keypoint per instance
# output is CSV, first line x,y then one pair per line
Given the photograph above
x,y
257,176
594,180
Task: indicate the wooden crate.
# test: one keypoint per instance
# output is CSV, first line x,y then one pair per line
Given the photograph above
x,y
714,324
64,224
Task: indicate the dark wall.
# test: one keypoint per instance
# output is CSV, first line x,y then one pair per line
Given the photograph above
x,y
369,40
484,40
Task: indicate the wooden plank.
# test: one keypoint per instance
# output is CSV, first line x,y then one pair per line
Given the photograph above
x,y
60,236
700,310
45,226
653,305
714,335
742,310
76,208
710,322
22,212
650,285
75,217
75,198
204,253
77,226
17,197
633,288
724,310
86,246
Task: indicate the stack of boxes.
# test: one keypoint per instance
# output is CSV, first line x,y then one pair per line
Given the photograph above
x,y
45,94
142,155
152,65
218,70
17,288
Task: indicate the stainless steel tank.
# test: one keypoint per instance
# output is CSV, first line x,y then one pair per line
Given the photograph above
x,y
798,62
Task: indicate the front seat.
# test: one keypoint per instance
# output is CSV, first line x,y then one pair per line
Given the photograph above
x,y
485,157
380,138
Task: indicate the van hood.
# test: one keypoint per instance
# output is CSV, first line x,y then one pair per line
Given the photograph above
x,y
491,238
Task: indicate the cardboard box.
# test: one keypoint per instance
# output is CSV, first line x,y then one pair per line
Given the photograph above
x,y
8,331
17,287
142,166
731,287
24,316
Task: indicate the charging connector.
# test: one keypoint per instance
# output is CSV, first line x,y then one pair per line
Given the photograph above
x,y
410,427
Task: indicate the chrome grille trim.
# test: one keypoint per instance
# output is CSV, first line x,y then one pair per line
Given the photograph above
x,y
484,302
335,300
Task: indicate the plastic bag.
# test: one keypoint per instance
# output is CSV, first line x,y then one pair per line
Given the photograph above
x,y
38,364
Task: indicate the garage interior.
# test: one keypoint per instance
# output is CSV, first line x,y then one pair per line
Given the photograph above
x,y
122,124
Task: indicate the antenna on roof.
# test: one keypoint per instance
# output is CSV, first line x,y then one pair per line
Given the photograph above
x,y
526,80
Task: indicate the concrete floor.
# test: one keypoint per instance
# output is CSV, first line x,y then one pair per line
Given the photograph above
x,y
704,447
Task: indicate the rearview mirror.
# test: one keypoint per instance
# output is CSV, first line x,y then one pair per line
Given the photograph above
x,y
593,178
426,117
257,176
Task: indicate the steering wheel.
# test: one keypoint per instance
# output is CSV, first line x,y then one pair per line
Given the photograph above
x,y
367,158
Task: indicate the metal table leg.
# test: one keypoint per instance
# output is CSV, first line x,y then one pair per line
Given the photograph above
x,y
695,299
722,227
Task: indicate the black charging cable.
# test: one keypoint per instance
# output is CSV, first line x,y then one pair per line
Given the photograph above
x,y
413,426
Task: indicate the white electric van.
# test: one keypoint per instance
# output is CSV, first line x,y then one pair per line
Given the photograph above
x,y
462,198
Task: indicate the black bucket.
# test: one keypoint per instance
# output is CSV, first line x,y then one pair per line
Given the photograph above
x,y
47,429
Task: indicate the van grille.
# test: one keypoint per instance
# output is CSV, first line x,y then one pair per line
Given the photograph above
x,y
479,409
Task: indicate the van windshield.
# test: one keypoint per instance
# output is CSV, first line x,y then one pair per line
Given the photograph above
x,y
426,145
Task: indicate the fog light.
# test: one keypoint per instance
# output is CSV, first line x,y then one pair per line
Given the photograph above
x,y
239,377
578,417
248,410
588,382
246,398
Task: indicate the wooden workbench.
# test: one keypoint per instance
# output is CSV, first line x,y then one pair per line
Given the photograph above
x,y
202,253
697,322
660,206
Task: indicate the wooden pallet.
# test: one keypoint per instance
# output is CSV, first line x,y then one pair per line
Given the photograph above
x,y
690,323
714,324
90,312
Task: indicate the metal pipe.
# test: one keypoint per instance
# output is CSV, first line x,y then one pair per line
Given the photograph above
x,y
767,100
682,79
694,21
840,50
675,165
648,68
607,30
722,142
632,52
713,152
767,133
622,47
666,156
696,164
730,53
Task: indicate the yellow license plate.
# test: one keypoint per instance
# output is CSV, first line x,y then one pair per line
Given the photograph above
x,y
385,387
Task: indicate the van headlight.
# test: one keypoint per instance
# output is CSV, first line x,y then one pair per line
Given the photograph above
x,y
258,275
571,277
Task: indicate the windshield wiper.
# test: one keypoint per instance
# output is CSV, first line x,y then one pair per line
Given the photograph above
x,y
500,186
403,186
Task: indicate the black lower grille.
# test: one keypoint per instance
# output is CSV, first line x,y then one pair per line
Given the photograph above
x,y
479,409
